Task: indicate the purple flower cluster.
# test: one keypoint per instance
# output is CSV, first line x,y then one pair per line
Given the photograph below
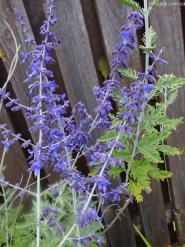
x,y
20,18
85,240
6,133
51,216
127,43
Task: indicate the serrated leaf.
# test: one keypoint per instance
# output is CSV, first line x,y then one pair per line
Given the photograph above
x,y
154,138
115,171
158,174
139,172
172,97
139,176
122,154
103,68
115,122
168,150
93,171
117,94
149,152
147,49
131,4
154,4
135,190
168,81
128,72
108,136
149,41
155,115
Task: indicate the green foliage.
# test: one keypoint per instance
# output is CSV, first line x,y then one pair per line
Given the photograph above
x,y
154,4
149,143
24,229
93,171
115,171
103,68
123,153
128,72
167,84
155,116
146,146
131,4
108,136
140,174
152,36
2,56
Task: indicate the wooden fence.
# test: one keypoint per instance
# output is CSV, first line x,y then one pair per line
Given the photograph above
x,y
88,30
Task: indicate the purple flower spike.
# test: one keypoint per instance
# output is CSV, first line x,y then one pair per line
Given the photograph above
x,y
35,167
102,183
22,192
85,218
157,59
6,145
124,129
142,76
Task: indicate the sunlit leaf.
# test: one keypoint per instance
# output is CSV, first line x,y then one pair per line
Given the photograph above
x,y
103,68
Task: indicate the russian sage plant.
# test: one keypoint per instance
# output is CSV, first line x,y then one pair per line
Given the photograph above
x,y
67,213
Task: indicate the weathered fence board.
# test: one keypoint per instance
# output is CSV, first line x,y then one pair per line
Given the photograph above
x,y
19,88
94,33
16,170
7,14
154,218
112,16
171,38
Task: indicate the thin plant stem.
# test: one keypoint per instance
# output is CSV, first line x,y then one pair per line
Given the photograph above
x,y
91,194
118,215
13,225
40,137
3,157
6,217
145,12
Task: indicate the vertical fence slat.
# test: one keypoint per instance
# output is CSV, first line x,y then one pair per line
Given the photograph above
x,y
20,89
14,159
93,29
16,165
153,217
75,53
7,13
171,37
112,16
74,56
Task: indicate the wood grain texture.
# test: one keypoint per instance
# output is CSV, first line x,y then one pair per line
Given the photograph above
x,y
19,88
122,232
112,16
16,165
94,33
171,37
79,72
8,46
74,55
153,216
